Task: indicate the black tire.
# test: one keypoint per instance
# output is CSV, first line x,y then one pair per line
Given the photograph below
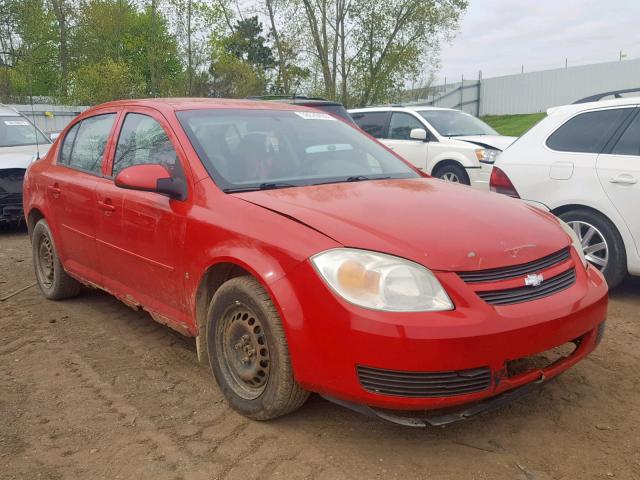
x,y
263,387
53,281
615,270
452,172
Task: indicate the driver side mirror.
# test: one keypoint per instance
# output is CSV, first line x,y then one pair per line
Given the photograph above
x,y
418,134
152,178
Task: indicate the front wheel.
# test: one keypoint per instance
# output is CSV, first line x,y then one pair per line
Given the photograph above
x,y
248,351
453,173
601,243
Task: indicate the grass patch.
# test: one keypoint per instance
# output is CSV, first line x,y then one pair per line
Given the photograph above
x,y
513,125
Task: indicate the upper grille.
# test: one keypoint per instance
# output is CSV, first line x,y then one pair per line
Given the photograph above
x,y
526,294
516,270
424,384
10,199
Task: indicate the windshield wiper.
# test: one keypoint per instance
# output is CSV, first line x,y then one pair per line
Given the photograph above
x,y
262,186
354,178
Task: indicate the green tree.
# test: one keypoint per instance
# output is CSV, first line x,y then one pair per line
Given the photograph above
x,y
393,40
108,80
118,31
29,50
241,61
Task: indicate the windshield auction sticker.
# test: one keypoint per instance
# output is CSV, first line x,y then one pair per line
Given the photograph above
x,y
314,116
16,122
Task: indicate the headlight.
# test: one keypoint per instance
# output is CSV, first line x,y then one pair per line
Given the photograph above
x,y
381,282
575,240
487,155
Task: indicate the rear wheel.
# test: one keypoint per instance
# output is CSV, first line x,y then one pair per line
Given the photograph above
x,y
601,243
452,172
53,281
248,351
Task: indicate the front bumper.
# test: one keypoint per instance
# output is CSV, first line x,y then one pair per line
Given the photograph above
x,y
329,338
479,176
11,207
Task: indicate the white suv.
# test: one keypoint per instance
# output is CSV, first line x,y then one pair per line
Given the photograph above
x,y
446,143
582,162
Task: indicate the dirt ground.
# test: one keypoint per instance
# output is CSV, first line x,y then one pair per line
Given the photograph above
x,y
92,389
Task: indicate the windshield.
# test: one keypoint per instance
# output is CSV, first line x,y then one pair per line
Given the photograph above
x,y
17,131
454,123
258,149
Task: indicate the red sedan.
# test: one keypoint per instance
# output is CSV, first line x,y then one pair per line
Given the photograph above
x,y
304,256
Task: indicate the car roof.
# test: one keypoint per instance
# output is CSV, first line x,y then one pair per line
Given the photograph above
x,y
394,108
176,104
6,111
579,107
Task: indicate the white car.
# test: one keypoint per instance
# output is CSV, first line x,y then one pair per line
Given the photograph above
x,y
20,142
446,143
582,162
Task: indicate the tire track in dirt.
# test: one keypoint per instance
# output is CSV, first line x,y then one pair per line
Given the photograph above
x,y
104,391
170,397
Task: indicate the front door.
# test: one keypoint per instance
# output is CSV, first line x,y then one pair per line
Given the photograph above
x,y
400,141
619,175
140,236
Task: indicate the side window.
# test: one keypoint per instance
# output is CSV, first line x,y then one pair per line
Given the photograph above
x,y
143,140
373,123
401,126
89,143
587,132
629,142
67,146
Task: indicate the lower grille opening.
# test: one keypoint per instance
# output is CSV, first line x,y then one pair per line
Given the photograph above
x,y
541,360
424,384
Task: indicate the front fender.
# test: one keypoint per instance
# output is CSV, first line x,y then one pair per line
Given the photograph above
x,y
459,157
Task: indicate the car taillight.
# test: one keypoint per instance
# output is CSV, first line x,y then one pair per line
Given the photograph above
x,y
500,183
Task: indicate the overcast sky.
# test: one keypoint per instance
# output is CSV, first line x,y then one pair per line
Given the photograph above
x,y
498,36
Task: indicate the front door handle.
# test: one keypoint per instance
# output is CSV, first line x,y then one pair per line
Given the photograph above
x,y
106,206
624,179
54,190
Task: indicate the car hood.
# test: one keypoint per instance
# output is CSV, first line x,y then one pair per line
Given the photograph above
x,y
437,224
499,142
20,157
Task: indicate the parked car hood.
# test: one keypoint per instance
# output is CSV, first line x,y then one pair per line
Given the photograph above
x,y
437,224
20,157
499,142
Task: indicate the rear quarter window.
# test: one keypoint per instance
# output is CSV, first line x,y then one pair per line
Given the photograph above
x,y
587,132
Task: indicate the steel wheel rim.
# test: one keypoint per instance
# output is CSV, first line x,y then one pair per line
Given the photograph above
x,y
594,245
46,265
450,177
245,353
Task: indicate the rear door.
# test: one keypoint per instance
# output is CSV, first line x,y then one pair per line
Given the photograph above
x,y
140,237
70,186
573,148
399,139
619,174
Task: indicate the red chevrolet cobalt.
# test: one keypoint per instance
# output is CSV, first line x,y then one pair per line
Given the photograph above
x,y
304,256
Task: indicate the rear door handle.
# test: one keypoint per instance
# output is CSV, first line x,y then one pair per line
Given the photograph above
x,y
54,190
106,206
624,179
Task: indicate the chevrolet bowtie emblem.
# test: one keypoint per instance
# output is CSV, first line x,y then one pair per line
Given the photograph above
x,y
533,280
